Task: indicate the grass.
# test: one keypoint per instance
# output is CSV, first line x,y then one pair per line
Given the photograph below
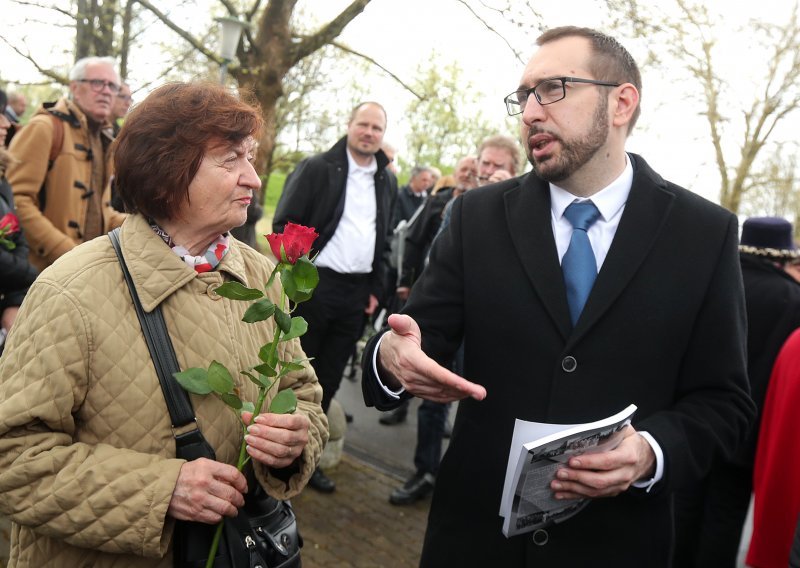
x,y
264,226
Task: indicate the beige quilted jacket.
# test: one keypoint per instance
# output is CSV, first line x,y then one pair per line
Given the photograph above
x,y
87,454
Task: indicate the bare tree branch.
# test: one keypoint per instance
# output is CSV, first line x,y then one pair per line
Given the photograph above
x,y
352,51
486,24
45,7
252,11
181,32
46,72
330,31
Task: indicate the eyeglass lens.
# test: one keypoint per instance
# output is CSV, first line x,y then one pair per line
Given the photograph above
x,y
98,85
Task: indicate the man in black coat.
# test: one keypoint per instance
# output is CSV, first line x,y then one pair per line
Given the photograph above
x,y
710,516
412,195
347,195
663,327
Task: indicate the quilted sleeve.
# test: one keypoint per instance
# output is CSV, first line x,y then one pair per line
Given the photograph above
x,y
94,496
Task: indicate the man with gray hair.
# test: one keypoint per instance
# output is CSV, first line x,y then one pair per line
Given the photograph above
x,y
60,179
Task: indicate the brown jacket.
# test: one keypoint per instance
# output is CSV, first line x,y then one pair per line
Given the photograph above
x,y
87,454
59,228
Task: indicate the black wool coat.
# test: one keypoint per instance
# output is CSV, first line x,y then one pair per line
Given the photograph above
x,y
663,328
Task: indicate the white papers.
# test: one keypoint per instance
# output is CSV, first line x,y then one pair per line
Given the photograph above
x,y
537,451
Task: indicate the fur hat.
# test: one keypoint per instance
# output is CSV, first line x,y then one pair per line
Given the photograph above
x,y
770,237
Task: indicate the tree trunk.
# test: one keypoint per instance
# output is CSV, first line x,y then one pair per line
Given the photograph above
x,y
83,30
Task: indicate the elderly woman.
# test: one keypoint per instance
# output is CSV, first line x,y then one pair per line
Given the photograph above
x,y
88,472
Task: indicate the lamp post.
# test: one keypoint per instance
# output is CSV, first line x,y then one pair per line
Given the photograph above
x,y
230,32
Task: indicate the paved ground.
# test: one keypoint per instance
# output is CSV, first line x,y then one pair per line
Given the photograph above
x,y
356,526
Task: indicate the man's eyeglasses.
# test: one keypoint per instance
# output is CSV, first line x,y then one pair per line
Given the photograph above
x,y
98,85
547,92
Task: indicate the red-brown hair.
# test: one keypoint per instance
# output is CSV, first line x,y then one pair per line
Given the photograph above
x,y
164,138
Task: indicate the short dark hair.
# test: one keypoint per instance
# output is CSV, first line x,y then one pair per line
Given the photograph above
x,y
611,61
164,138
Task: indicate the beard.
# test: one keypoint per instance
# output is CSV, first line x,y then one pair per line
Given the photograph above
x,y
574,153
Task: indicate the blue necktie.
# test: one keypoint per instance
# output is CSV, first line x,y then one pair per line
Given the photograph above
x,y
578,264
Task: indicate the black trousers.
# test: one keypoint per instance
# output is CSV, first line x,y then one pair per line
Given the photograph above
x,y
335,317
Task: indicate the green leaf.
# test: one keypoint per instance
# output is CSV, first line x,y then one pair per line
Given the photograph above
x,y
237,291
260,381
259,311
219,379
292,366
285,402
299,327
265,369
266,354
300,280
232,400
266,381
194,380
275,272
305,275
247,407
287,281
263,353
283,320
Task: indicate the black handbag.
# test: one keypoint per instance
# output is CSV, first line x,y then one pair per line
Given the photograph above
x,y
264,534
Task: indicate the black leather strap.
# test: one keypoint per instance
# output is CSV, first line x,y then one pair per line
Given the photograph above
x,y
160,346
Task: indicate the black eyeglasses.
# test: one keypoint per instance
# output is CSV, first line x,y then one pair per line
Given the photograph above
x,y
546,92
98,85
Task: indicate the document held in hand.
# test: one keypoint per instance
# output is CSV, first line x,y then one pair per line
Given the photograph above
x,y
537,451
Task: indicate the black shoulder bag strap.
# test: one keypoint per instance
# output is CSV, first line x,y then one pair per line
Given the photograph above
x,y
190,444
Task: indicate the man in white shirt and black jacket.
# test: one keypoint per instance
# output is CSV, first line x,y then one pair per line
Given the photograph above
x,y
347,195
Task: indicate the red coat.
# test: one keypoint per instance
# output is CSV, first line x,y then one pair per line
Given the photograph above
x,y
776,478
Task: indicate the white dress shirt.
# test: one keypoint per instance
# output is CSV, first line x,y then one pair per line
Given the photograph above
x,y
351,249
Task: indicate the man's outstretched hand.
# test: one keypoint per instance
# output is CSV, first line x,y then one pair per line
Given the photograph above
x,y
403,363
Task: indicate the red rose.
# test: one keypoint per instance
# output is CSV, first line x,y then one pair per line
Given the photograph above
x,y
296,241
9,224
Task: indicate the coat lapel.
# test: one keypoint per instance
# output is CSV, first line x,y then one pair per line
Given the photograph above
x,y
645,211
527,209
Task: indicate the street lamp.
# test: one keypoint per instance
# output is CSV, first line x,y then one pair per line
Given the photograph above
x,y
230,32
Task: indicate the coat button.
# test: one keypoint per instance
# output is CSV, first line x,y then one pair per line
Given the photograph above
x,y
540,537
212,292
569,364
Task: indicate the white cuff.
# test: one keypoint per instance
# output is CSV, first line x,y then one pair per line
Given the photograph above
x,y
647,484
392,394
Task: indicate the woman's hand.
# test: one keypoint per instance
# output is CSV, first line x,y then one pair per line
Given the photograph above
x,y
206,491
276,440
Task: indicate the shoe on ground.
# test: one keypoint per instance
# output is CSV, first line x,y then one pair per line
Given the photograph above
x,y
396,416
321,482
417,487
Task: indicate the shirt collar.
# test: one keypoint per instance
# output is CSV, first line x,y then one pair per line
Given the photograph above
x,y
353,167
608,200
